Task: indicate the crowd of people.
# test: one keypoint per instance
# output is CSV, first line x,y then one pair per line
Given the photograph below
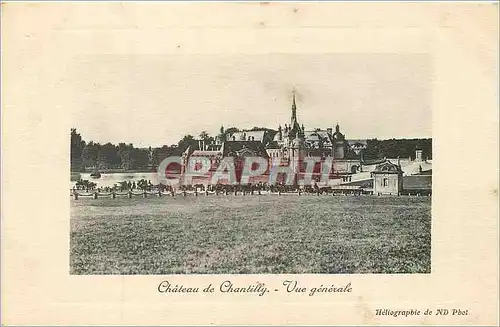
x,y
141,185
144,185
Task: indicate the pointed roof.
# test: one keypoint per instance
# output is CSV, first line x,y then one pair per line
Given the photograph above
x,y
295,129
294,108
387,167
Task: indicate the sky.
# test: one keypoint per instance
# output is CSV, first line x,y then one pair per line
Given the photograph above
x,y
152,100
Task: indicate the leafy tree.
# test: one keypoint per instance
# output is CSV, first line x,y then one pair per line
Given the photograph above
x,y
185,142
393,148
124,152
76,150
108,156
90,154
159,154
139,158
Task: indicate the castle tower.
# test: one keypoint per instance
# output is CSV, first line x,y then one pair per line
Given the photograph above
x,y
296,139
338,143
295,131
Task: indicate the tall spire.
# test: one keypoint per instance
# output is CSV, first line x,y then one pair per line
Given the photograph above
x,y
294,107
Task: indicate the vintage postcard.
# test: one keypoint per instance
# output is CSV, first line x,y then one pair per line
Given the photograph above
x,y
250,163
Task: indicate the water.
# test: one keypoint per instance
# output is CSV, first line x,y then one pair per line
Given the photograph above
x,y
111,179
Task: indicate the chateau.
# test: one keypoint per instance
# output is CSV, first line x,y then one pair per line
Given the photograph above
x,y
292,143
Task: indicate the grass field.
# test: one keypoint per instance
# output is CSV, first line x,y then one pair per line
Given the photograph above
x,y
251,234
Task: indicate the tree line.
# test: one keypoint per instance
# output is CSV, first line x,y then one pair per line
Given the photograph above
x,y
91,155
393,148
85,156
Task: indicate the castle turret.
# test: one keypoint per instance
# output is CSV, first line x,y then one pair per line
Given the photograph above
x,y
296,138
295,130
339,144
294,109
418,154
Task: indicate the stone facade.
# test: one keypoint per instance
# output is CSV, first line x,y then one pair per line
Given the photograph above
x,y
387,179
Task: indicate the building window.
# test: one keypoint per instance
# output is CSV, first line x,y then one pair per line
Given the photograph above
x,y
385,182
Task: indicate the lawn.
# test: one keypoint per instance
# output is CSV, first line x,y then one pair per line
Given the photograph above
x,y
251,234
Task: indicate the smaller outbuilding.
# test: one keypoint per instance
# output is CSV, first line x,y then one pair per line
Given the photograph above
x,y
387,179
